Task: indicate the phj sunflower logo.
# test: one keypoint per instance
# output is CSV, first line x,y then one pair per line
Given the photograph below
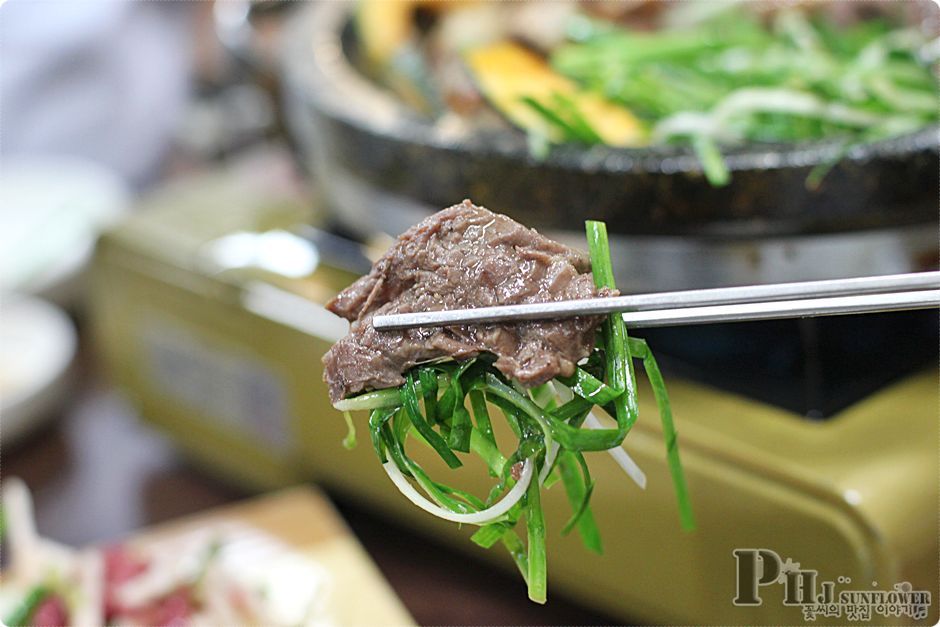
x,y
757,568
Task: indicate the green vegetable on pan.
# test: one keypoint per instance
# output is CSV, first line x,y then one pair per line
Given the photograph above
x,y
731,79
450,407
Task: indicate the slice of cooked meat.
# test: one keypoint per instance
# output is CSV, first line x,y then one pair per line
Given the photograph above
x,y
460,257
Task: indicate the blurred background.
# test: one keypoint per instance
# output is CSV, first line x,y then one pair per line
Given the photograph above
x,y
184,185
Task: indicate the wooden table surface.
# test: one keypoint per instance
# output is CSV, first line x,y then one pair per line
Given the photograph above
x,y
98,473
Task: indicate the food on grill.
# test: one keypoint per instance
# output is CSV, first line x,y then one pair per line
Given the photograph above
x,y
707,75
546,378
544,103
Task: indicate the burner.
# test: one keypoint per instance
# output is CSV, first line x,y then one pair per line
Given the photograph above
x,y
815,367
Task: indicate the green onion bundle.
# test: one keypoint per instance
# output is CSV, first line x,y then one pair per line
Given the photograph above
x,y
729,79
447,406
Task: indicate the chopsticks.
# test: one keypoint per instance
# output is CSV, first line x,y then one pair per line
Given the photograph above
x,y
917,290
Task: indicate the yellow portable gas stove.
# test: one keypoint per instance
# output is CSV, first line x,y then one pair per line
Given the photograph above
x,y
811,448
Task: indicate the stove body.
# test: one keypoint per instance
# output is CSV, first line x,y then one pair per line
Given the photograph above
x,y
816,441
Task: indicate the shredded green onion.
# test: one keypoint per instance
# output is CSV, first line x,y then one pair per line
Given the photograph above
x,y
535,526
349,442
727,78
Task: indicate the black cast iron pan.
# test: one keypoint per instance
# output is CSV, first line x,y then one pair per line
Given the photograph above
x,y
363,129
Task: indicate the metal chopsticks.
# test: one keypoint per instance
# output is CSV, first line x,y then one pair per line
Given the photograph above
x,y
917,290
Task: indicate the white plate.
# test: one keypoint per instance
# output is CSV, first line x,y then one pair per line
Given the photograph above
x,y
37,345
51,212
